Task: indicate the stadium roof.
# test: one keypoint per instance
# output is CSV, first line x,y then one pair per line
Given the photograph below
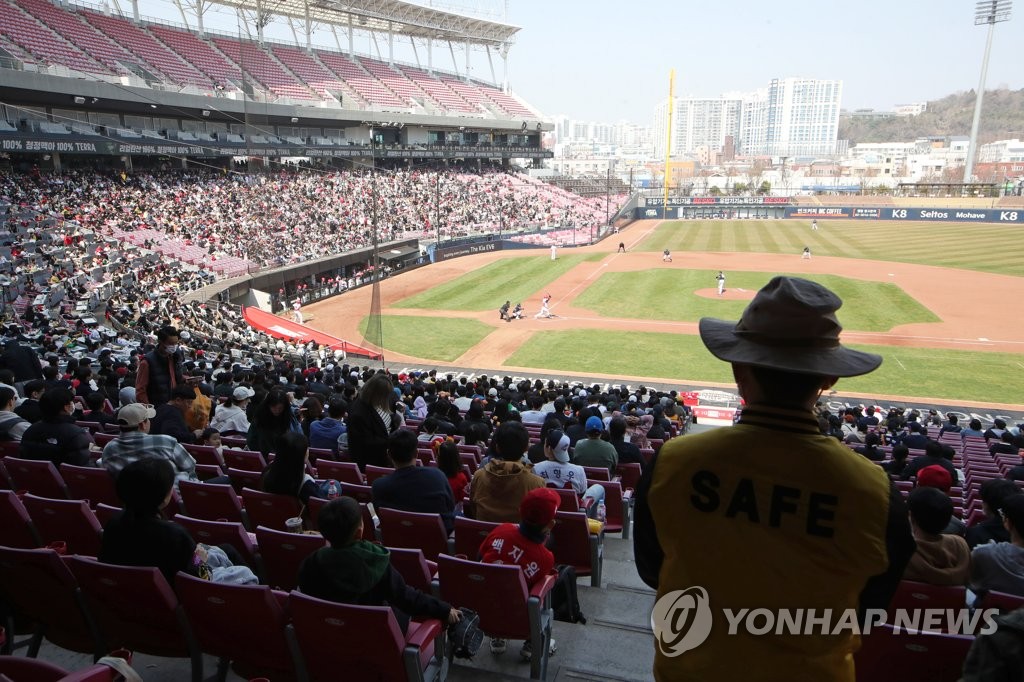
x,y
404,18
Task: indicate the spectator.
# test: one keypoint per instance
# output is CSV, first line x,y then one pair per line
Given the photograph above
x,y
870,448
135,442
413,488
594,452
95,402
160,370
557,472
12,427
371,421
935,453
938,478
523,546
450,463
354,571
536,453
273,419
138,536
898,463
712,489
310,413
287,475
230,418
993,494
57,438
324,433
999,566
940,559
626,453
29,408
951,425
995,431
170,417
973,430
499,486
1005,446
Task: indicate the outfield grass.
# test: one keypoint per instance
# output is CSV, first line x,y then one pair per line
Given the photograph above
x,y
986,247
918,372
508,279
432,338
667,295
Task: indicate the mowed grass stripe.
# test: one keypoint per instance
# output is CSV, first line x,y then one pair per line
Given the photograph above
x,y
988,248
980,376
508,279
431,338
616,295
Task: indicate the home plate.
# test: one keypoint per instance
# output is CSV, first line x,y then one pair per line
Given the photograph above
x,y
982,338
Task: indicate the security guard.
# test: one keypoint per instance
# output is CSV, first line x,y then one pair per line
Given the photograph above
x,y
770,513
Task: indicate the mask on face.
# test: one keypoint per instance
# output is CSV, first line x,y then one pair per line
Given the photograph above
x,y
170,350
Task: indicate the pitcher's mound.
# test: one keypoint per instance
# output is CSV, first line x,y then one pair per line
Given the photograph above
x,y
728,295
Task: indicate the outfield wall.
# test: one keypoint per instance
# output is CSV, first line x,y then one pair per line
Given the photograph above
x,y
953,215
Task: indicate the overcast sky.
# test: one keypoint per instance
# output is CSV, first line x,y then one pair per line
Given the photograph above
x,y
607,60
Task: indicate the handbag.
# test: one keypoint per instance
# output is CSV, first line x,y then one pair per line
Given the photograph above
x,y
466,635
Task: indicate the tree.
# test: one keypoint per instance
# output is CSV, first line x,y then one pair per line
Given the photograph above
x,y
765,188
715,191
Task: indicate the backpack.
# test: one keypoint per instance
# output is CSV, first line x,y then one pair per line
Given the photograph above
x,y
466,635
199,416
564,600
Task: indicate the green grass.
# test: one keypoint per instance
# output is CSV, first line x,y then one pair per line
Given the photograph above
x,y
986,247
666,295
920,372
508,279
432,338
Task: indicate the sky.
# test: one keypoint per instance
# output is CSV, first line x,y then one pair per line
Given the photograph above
x,y
605,60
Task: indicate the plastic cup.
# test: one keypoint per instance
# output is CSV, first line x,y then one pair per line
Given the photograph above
x,y
294,524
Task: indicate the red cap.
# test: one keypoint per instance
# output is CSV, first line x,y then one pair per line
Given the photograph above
x,y
934,476
539,506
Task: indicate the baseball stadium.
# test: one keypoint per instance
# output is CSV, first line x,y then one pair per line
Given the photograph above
x,y
224,226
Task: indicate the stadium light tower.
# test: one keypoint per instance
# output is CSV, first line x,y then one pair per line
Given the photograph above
x,y
990,12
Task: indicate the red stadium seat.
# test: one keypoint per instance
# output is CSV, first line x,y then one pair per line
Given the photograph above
x,y
887,656
425,532
65,521
282,555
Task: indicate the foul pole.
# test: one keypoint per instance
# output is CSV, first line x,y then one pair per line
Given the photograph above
x,y
668,137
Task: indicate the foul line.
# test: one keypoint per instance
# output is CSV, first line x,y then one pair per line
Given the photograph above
x,y
899,363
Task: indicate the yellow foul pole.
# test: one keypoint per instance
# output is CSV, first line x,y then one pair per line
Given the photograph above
x,y
668,135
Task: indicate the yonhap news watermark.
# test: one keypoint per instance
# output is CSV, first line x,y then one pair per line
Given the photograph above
x,y
682,621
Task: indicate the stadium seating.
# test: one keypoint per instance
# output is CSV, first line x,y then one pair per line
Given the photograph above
x,y
364,641
149,50
507,608
255,62
43,42
366,85
414,531
199,54
72,28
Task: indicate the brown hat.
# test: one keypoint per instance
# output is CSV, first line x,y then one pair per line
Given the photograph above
x,y
790,325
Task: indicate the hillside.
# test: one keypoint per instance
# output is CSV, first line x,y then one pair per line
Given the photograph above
x,y
1002,116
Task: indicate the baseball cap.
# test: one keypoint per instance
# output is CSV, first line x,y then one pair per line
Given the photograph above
x,y
492,392
539,506
242,393
594,424
134,414
934,476
559,443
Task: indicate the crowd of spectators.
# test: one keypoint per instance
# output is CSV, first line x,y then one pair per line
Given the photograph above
x,y
292,216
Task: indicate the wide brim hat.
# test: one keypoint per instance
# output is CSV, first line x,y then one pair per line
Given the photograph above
x,y
791,326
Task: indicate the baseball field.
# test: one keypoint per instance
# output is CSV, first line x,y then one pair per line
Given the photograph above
x,y
937,301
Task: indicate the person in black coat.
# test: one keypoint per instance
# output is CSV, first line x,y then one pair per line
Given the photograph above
x,y
424,490
627,452
993,492
371,421
57,438
934,453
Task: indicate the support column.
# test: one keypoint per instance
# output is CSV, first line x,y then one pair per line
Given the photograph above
x,y
55,159
391,45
